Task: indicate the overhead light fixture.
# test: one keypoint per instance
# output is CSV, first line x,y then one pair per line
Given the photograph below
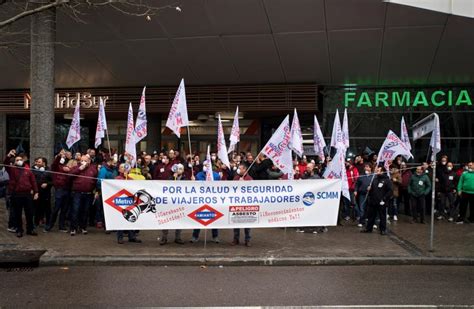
x,y
229,115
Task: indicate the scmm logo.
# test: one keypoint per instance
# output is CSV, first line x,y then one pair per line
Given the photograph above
x,y
327,195
308,199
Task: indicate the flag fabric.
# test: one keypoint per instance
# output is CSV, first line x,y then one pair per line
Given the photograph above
x,y
141,123
101,124
296,140
336,137
345,129
336,169
209,173
435,142
178,116
74,134
130,147
221,146
404,134
318,139
277,148
235,133
391,148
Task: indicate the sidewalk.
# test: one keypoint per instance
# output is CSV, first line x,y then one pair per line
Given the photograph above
x,y
405,244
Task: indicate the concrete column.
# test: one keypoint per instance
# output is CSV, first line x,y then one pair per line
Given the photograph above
x,y
154,132
43,37
3,134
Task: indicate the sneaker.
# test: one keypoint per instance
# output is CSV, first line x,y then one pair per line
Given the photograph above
x,y
11,229
193,240
32,233
179,241
359,225
315,232
459,222
46,230
216,240
323,230
73,232
299,231
63,230
395,218
375,227
347,218
439,217
84,231
383,233
450,219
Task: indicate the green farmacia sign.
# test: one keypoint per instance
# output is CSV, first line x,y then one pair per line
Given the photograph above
x,y
422,98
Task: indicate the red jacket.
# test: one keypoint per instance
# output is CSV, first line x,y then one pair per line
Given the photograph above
x,y
162,172
247,177
22,180
84,184
60,181
352,175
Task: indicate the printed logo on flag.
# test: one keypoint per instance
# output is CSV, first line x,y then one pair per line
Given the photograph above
x,y
122,200
308,199
205,215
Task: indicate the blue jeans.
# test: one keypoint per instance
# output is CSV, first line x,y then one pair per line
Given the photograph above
x,y
215,233
61,202
237,234
393,210
362,207
80,209
99,209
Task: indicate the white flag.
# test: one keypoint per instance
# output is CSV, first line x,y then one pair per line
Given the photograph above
x,y
277,149
404,134
345,129
101,124
435,141
296,140
391,148
336,137
221,146
74,134
141,123
336,169
209,173
318,139
235,133
130,147
178,116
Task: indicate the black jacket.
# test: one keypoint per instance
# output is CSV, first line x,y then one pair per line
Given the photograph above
x,y
448,181
380,190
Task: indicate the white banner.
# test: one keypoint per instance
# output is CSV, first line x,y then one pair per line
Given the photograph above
x,y
156,205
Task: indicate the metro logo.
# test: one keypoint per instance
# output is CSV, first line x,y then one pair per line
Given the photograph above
x,y
205,215
121,200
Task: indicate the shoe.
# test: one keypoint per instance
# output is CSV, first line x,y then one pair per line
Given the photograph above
x,y
84,231
395,218
46,230
323,230
247,243
19,234
63,230
360,225
450,219
193,240
375,227
32,233
135,240
216,240
99,225
11,229
365,231
347,218
439,217
120,241
179,241
459,222
299,231
383,233
163,241
315,232
234,242
73,232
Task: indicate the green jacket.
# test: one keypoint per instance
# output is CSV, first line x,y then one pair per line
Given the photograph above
x,y
466,183
419,185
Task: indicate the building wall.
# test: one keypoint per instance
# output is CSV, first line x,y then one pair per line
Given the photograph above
x,y
3,134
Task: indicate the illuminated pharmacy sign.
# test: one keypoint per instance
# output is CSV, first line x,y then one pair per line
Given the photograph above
x,y
401,98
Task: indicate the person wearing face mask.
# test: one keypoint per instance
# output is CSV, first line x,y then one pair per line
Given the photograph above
x,y
361,190
418,188
352,175
163,169
404,196
448,184
396,178
44,182
173,158
242,175
178,175
62,191
23,190
466,192
83,185
380,192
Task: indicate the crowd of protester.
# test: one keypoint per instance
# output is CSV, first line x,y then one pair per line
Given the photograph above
x,y
69,190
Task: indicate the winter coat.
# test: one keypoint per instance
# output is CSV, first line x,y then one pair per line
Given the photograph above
x,y
22,180
466,183
420,185
380,190
85,184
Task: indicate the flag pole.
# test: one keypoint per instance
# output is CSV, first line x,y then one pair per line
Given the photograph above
x,y
108,142
433,199
190,152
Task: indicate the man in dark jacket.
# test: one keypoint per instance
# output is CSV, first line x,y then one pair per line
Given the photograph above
x,y
44,183
361,189
380,192
418,188
83,185
23,190
62,192
448,180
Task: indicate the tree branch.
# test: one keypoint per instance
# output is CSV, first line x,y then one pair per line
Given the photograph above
x,y
32,11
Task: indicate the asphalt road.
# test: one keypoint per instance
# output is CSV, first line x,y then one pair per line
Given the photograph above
x,y
239,286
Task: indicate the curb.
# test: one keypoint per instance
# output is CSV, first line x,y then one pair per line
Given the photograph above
x,y
246,261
